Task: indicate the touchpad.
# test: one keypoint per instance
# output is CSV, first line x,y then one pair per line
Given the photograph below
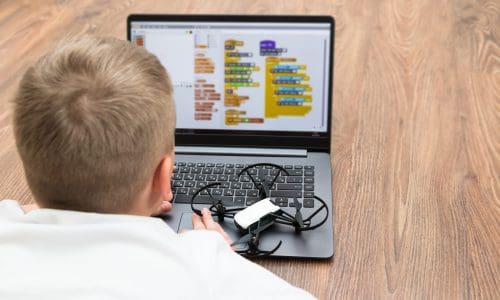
x,y
186,222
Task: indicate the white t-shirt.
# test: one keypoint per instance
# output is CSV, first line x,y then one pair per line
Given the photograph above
x,y
57,254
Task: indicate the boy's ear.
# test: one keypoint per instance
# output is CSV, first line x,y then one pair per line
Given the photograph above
x,y
163,176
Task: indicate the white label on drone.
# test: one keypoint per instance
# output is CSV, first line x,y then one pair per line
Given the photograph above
x,y
255,212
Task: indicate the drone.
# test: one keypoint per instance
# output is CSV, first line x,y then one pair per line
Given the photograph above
x,y
252,220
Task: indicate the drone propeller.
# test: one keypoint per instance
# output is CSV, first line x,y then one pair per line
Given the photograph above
x,y
260,183
258,253
217,207
252,240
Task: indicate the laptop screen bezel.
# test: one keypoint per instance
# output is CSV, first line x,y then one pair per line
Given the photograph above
x,y
311,141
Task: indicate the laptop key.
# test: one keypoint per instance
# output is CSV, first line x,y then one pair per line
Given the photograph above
x,y
240,193
200,177
294,179
196,170
182,190
236,185
228,192
308,187
309,173
308,202
178,183
182,198
189,184
203,200
309,168
247,185
263,172
239,201
281,202
286,194
252,193
252,200
308,194
218,170
201,184
188,177
268,178
224,185
227,200
177,177
234,177
292,203
295,173
289,186
274,172
207,171
308,179
222,177
211,177
252,171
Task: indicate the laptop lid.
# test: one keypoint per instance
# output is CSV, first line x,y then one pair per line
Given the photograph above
x,y
244,81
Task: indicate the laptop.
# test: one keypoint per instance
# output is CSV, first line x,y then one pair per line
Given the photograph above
x,y
247,90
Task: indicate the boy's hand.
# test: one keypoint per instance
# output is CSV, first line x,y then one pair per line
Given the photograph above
x,y
207,222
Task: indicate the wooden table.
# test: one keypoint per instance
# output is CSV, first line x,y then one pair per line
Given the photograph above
x,y
416,135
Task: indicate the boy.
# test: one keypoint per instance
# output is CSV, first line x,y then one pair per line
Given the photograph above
x,y
94,124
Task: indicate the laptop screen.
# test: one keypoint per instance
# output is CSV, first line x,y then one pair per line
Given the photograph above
x,y
244,75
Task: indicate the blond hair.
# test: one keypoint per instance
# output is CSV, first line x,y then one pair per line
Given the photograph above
x,y
92,120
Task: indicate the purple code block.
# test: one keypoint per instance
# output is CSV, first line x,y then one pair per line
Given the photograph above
x,y
267,44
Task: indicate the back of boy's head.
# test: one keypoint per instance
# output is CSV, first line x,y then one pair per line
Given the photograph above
x,y
92,120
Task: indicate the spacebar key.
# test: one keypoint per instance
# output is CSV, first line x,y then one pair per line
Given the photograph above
x,y
187,199
286,194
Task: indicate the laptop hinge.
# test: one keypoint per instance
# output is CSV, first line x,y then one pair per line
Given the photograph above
x,y
241,151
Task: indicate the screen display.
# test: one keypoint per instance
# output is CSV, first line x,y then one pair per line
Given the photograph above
x,y
244,76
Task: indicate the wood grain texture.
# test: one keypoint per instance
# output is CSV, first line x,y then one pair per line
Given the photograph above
x,y
415,136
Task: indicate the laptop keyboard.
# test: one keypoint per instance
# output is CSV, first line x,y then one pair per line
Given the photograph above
x,y
237,190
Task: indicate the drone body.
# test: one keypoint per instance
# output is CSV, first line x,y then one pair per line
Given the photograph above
x,y
254,213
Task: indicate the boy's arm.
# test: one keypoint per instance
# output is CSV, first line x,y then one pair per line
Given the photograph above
x,y
248,280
